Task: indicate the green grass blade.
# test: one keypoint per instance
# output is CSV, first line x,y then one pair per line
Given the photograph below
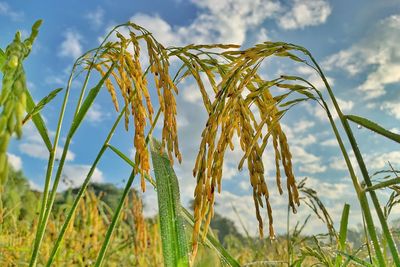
x,y
38,121
2,59
355,259
47,99
383,184
343,232
374,127
174,244
89,101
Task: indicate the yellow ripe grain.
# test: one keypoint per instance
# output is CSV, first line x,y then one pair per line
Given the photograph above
x,y
109,86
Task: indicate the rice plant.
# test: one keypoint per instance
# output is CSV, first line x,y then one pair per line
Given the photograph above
x,y
135,69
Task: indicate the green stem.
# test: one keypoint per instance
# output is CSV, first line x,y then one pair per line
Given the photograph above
x,y
363,168
383,184
361,196
40,230
289,247
42,227
117,213
114,221
82,190
366,238
47,203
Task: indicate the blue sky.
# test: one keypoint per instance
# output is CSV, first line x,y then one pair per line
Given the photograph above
x,y
356,42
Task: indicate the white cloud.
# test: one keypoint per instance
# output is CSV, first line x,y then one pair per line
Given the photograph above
x,y
245,185
312,168
377,51
55,80
262,36
329,142
39,151
71,46
301,156
181,120
374,161
225,21
35,186
302,126
96,17
316,110
307,140
307,162
392,108
14,161
6,10
33,146
305,13
312,76
95,114
345,105
74,174
298,140
395,130
331,191
380,161
338,163
157,26
192,94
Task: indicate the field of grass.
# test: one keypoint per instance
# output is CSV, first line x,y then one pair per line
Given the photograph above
x,y
101,225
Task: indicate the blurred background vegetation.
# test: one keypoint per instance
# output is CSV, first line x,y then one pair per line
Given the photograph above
x,y
137,240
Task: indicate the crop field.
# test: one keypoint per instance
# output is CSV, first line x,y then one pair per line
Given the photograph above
x,y
93,223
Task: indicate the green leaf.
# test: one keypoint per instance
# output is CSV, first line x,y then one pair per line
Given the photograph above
x,y
38,121
294,101
174,244
41,104
374,127
2,59
355,259
343,232
289,55
89,101
294,87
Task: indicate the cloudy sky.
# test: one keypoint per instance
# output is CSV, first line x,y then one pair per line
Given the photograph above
x,y
355,41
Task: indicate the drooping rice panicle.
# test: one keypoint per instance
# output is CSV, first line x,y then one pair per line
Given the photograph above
x,y
133,85
231,113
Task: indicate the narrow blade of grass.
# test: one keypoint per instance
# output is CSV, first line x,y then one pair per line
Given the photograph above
x,y
38,121
373,126
384,184
47,99
174,244
355,259
2,59
89,101
343,232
